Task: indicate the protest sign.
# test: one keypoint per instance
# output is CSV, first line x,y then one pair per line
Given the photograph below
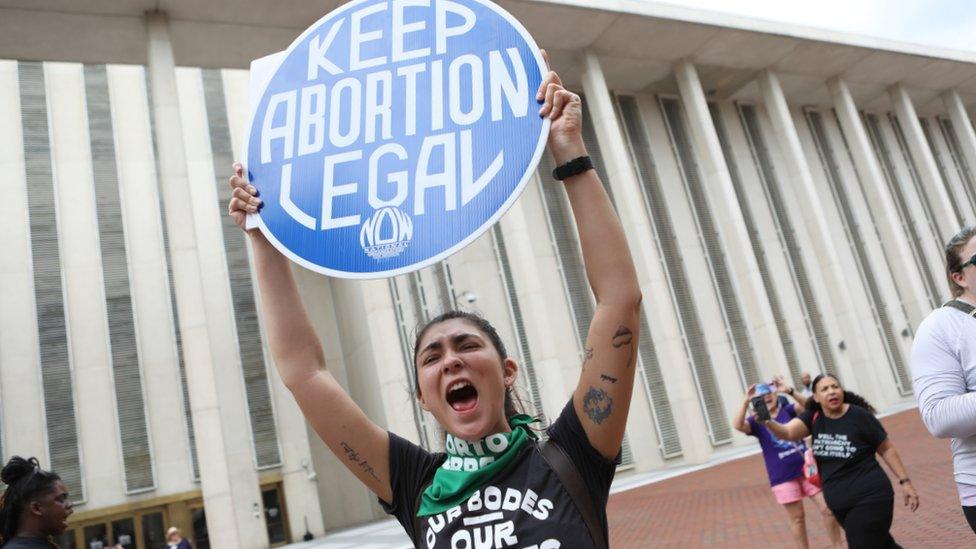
x,y
392,133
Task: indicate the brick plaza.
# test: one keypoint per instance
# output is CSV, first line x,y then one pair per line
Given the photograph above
x,y
730,505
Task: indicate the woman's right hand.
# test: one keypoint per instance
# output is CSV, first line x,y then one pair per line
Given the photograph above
x,y
751,391
244,197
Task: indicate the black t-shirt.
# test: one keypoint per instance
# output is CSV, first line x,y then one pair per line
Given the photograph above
x,y
525,507
845,450
27,543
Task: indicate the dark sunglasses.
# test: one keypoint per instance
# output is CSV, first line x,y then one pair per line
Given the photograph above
x,y
972,261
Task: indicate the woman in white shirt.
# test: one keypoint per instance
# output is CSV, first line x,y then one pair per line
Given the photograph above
x,y
944,367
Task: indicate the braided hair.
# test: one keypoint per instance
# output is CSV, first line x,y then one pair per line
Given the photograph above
x,y
25,481
849,396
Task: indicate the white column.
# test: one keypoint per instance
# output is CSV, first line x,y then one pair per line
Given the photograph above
x,y
21,390
653,280
84,290
301,495
223,498
894,240
963,127
813,228
150,287
529,287
767,347
928,170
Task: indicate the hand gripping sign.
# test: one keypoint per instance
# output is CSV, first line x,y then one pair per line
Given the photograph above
x,y
392,133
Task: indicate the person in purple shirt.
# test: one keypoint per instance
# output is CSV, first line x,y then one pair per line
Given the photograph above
x,y
784,459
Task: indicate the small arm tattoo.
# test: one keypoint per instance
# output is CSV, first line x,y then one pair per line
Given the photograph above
x,y
354,457
589,353
605,377
623,337
597,404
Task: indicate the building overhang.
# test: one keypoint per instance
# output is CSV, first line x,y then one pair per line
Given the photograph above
x,y
638,42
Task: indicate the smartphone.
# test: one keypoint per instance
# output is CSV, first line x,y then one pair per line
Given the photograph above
x,y
759,405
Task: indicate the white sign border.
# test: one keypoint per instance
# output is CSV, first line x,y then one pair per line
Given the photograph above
x,y
272,62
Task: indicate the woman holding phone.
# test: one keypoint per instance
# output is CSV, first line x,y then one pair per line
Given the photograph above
x,y
846,438
784,459
494,483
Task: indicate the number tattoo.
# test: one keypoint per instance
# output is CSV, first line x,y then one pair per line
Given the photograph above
x,y
605,377
597,404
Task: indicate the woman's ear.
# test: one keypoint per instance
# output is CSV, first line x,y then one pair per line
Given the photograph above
x,y
420,398
509,372
960,279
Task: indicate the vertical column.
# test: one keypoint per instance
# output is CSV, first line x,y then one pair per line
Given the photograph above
x,y
814,226
945,216
150,287
907,276
21,393
963,127
731,225
81,272
623,182
229,505
301,497
528,287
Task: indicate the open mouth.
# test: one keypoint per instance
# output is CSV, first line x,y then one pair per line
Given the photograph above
x,y
462,396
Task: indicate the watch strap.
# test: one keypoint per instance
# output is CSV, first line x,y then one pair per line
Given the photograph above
x,y
575,166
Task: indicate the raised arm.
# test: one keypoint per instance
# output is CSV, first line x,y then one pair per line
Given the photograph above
x,y
794,429
739,422
945,403
602,397
358,442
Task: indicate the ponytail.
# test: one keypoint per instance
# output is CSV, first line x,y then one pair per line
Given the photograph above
x,y
850,397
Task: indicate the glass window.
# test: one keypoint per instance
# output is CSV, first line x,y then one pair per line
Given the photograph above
x,y
96,536
124,533
201,539
153,531
274,516
66,540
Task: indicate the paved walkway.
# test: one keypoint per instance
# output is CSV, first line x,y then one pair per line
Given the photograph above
x,y
727,503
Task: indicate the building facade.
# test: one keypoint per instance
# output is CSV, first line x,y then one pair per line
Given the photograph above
x,y
786,193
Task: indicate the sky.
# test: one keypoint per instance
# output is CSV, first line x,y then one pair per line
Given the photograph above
x,y
942,23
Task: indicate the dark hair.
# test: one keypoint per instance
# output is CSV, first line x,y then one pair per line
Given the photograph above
x,y
25,480
483,326
953,260
849,396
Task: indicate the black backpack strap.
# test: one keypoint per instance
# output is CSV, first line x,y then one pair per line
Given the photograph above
x,y
962,306
570,478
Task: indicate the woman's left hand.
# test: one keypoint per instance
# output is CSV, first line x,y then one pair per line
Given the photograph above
x,y
565,109
911,496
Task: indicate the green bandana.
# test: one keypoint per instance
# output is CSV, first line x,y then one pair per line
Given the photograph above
x,y
470,465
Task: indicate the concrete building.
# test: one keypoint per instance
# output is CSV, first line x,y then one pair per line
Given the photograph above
x,y
786,192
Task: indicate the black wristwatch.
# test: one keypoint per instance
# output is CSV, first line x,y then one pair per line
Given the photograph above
x,y
790,392
575,166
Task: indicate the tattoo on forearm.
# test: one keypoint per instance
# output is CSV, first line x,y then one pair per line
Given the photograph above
x,y
354,457
623,337
587,355
605,377
597,404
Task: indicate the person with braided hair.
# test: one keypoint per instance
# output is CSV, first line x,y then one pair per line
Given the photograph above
x,y
34,507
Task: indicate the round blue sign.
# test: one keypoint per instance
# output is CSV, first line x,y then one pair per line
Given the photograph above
x,y
392,133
